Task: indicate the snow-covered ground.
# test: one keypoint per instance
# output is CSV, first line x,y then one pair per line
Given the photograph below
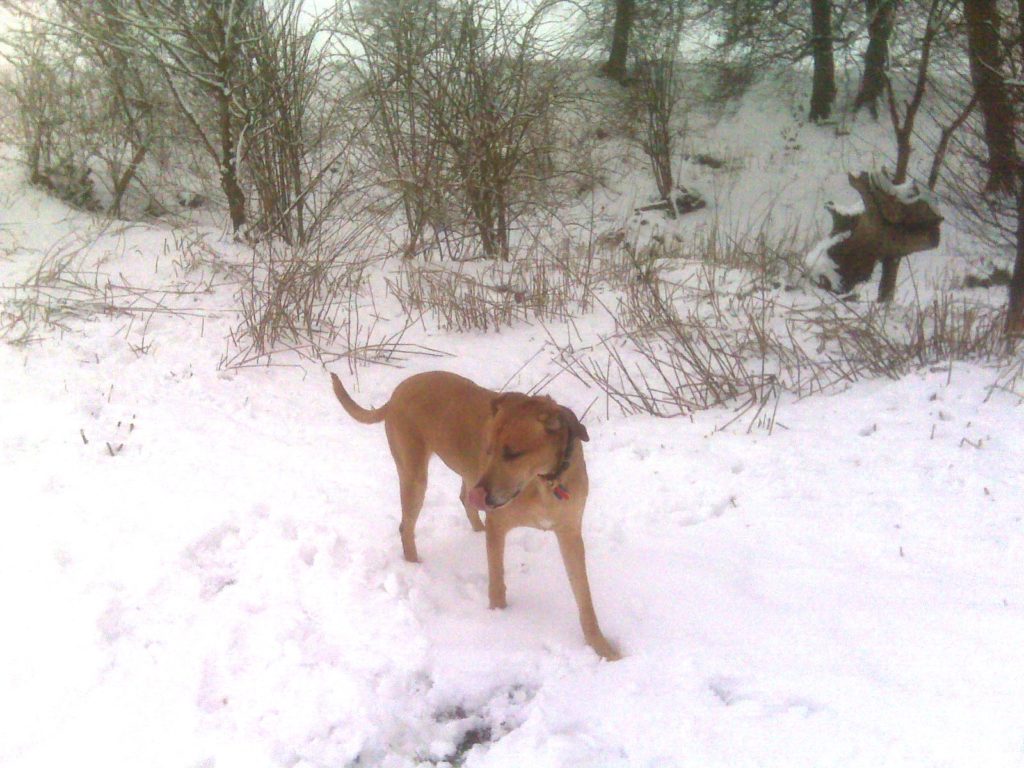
x,y
200,566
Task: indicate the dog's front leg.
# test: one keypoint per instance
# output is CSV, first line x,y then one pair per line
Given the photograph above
x,y
472,513
496,533
570,542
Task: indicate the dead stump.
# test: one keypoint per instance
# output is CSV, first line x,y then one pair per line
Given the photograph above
x,y
895,220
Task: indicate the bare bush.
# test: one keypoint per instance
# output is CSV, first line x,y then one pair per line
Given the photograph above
x,y
291,137
465,98
396,38
246,80
291,298
308,301
53,97
128,98
723,335
193,49
655,90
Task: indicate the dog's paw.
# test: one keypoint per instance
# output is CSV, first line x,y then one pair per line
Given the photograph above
x,y
605,650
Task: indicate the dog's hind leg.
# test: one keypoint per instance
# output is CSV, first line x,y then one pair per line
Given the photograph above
x,y
411,459
471,512
412,491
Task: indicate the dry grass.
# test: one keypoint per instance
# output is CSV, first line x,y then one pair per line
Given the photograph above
x,y
309,300
723,329
549,283
707,323
68,286
292,298
704,321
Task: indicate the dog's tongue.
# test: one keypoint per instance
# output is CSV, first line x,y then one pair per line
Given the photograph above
x,y
477,498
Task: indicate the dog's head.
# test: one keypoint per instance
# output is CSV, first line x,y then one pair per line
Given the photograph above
x,y
526,437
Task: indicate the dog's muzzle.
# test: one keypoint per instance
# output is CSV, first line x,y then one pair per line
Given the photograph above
x,y
480,498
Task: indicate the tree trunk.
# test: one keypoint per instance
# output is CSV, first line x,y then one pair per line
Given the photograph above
x,y
1015,309
904,131
876,58
983,46
823,91
123,181
615,67
229,165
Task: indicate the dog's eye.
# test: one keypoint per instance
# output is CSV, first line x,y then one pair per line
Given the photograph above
x,y
509,455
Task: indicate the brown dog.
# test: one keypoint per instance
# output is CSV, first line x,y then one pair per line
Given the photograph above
x,y
520,459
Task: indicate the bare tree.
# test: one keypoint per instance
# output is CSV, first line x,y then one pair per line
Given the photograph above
x,y
656,89
244,78
36,85
195,48
62,120
823,89
1015,306
993,208
476,120
132,98
879,15
985,49
615,67
904,119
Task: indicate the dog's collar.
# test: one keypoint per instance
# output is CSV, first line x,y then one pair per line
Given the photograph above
x,y
558,489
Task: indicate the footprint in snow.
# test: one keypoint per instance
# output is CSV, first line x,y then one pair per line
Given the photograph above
x,y
307,554
724,506
212,557
687,518
729,690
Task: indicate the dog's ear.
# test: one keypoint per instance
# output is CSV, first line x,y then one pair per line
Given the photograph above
x,y
576,429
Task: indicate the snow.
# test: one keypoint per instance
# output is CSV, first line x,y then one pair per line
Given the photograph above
x,y
848,209
229,588
201,566
819,265
907,192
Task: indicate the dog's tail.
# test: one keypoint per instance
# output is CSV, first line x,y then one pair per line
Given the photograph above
x,y
356,411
